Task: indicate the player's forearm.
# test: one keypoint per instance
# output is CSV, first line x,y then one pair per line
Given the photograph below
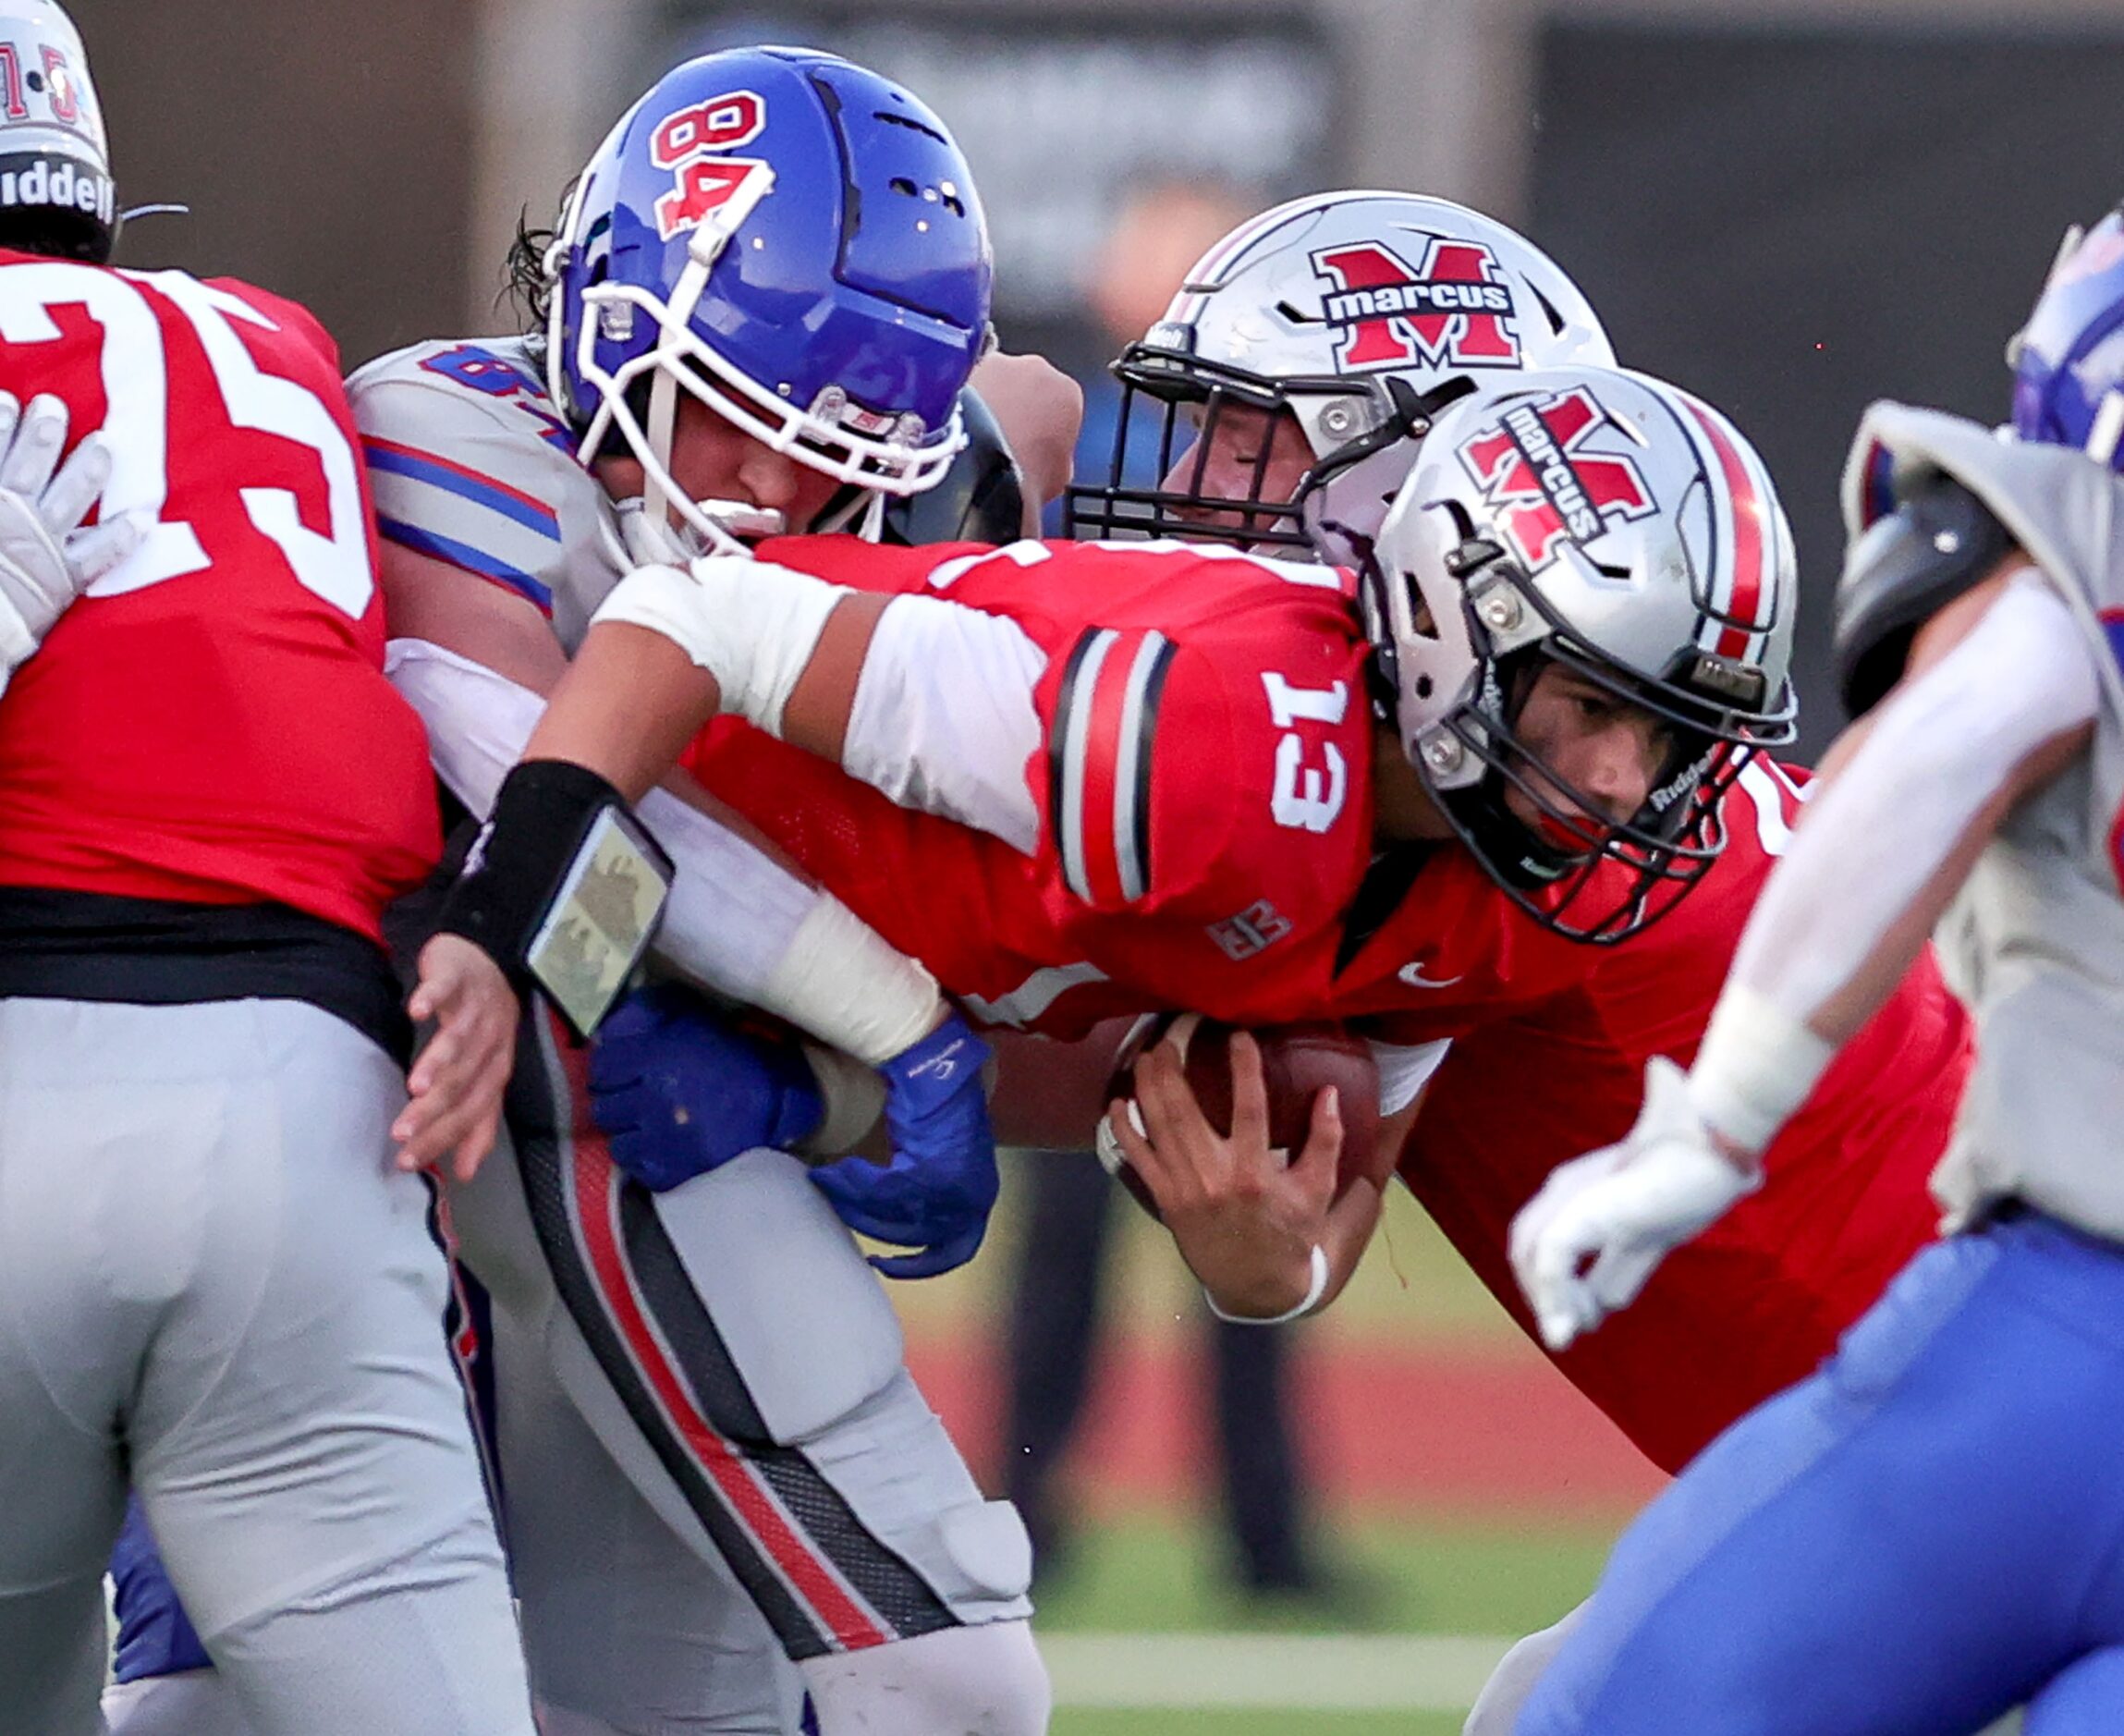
x,y
1888,837
928,701
742,922
626,709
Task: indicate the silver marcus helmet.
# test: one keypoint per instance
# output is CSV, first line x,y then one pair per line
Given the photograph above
x,y
1623,529
56,195
1361,314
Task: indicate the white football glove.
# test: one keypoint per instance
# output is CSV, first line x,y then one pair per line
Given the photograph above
x,y
1624,1207
46,558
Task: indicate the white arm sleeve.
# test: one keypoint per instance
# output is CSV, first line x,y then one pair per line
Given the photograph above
x,y
1944,746
944,720
750,624
737,922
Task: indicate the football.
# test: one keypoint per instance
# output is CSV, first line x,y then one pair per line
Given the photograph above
x,y
1298,1062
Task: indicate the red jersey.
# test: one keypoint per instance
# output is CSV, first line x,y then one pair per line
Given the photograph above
x,y
1204,792
210,725
1758,1300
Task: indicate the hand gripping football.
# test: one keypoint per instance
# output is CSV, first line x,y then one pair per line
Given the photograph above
x,y
1298,1062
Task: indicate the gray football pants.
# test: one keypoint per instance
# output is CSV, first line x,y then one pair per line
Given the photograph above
x,y
215,1284
715,1467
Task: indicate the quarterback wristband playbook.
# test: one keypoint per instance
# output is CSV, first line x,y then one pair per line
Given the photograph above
x,y
562,889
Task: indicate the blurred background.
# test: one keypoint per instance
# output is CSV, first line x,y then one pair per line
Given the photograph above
x,y
1784,206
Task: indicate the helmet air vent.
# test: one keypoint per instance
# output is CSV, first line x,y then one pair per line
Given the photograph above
x,y
911,123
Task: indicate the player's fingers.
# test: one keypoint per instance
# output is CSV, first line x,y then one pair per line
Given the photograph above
x,y
1124,1122
1548,1279
476,1146
931,1262
33,454
428,1100
449,1113
432,1124
438,1055
78,485
1170,1120
419,1131
445,975
1620,1273
484,1056
468,1054
1556,1262
1323,1138
1560,1321
438,984
1250,1095
104,548
1528,1226
1319,1164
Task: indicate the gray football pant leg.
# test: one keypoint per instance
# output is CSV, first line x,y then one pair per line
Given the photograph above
x,y
630,1617
209,1265
742,1371
192,1702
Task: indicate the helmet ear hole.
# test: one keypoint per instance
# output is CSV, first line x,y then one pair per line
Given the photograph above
x,y
1423,624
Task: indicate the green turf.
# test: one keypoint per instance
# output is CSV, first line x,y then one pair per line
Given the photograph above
x,y
1160,1574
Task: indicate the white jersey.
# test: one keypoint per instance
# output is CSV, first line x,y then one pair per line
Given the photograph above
x,y
2034,941
470,464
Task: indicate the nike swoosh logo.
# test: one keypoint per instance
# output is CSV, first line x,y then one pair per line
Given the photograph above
x,y
1414,975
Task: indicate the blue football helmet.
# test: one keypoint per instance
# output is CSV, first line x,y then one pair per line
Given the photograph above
x,y
793,241
2069,359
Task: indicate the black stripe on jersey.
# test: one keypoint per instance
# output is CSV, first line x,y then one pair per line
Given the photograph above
x,y
1147,735
1067,705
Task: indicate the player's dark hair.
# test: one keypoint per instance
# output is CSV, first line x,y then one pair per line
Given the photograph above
x,y
526,285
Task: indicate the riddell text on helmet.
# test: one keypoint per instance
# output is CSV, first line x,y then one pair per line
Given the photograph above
x,y
34,179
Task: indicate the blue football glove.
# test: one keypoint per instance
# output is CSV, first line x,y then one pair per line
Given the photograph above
x,y
935,1195
677,1090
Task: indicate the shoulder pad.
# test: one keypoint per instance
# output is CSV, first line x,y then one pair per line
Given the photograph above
x,y
2063,508
982,497
1938,541
470,465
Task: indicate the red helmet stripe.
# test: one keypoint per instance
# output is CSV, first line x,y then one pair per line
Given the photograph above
x,y
1750,596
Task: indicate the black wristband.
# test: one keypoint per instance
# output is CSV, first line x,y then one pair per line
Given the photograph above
x,y
562,888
